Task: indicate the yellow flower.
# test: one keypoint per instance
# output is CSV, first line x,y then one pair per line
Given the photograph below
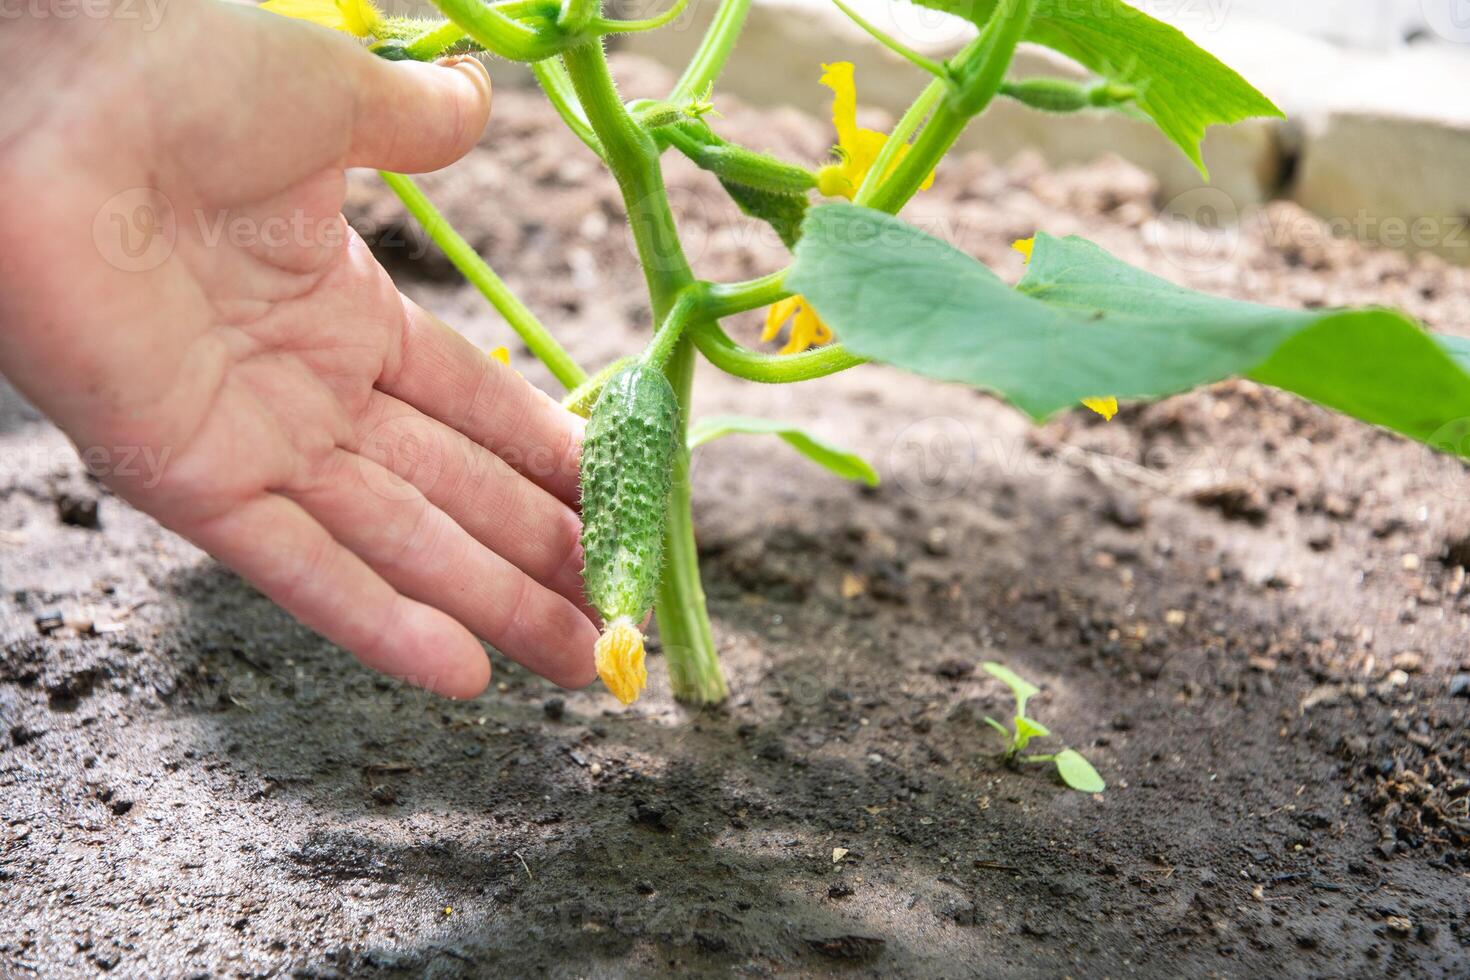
x,y
356,17
807,329
619,658
857,148
1106,407
501,354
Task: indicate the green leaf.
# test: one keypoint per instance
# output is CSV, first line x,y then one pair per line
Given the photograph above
x,y
1083,324
1021,689
847,465
1078,773
1182,87
1026,730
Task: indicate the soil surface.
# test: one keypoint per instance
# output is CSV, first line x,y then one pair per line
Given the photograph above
x,y
1251,615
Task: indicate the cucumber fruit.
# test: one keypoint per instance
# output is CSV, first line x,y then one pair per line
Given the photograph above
x,y
627,467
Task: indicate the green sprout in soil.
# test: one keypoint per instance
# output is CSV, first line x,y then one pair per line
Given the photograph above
x,y
863,285
1075,771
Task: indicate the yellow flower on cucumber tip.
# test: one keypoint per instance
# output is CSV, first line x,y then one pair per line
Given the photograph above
x,y
1106,407
857,148
620,660
356,17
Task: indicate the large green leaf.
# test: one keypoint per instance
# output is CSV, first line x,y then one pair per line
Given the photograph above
x,y
1182,87
847,465
1083,324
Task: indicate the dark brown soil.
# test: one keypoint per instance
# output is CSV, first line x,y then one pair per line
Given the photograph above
x,y
1251,615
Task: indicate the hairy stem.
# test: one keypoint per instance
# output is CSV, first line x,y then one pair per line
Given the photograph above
x,y
475,269
709,60
730,357
552,77
671,331
978,72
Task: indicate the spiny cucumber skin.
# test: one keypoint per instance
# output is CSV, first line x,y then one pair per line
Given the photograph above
x,y
627,471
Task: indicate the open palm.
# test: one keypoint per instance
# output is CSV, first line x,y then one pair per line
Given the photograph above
x,y
189,288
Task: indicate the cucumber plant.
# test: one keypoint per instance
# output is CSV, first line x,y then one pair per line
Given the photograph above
x,y
1080,328
1075,770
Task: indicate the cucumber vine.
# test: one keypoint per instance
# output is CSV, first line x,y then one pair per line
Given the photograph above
x,y
1080,328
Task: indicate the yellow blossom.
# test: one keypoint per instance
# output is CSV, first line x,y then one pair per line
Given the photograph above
x,y
807,329
356,17
1107,407
501,354
857,148
619,658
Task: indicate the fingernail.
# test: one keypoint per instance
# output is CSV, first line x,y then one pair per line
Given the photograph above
x,y
469,63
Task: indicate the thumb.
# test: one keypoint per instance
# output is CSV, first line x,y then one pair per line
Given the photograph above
x,y
412,117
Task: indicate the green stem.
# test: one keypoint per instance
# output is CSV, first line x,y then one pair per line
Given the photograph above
x,y
709,60
531,331
899,138
935,68
552,77
575,15
671,331
430,45
727,299
979,71
730,357
633,157
602,25
498,33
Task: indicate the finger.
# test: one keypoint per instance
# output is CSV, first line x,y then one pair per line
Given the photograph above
x,y
447,378
283,552
425,555
501,509
413,117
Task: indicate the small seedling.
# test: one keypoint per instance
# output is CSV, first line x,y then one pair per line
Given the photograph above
x,y
1075,771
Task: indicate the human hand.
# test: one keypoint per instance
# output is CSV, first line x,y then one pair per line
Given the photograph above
x,y
176,277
